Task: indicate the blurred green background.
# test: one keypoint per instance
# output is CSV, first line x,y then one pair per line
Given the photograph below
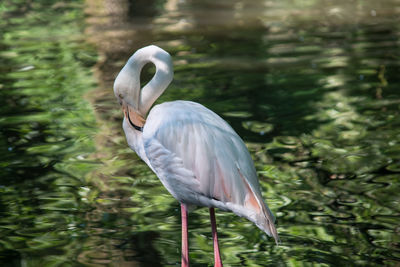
x,y
312,87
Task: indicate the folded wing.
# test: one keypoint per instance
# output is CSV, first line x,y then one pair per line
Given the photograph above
x,y
202,161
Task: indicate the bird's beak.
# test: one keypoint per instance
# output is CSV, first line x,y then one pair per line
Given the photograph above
x,y
134,118
125,108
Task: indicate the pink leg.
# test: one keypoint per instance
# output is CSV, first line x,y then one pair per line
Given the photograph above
x,y
217,256
185,243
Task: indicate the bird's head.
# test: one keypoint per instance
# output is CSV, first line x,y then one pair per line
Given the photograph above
x,y
127,91
136,102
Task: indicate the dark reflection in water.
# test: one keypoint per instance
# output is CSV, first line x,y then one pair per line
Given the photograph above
x,y
312,87
46,133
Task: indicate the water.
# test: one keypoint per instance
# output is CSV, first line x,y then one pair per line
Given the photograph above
x,y
311,86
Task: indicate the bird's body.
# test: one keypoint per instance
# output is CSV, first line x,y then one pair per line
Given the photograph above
x,y
200,159
197,156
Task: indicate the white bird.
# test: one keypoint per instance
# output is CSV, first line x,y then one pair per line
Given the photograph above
x,y
197,156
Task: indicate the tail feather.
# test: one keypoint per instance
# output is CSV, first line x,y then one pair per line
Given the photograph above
x,y
258,212
264,219
269,224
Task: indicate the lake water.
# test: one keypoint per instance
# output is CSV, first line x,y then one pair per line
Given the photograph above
x,y
312,87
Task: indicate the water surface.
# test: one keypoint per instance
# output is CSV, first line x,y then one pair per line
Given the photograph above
x,y
311,87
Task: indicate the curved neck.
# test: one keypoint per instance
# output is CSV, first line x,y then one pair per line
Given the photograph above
x,y
145,98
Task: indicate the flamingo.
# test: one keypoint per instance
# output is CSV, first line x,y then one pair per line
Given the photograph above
x,y
196,155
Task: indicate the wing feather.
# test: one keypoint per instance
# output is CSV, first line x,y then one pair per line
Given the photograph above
x,y
199,157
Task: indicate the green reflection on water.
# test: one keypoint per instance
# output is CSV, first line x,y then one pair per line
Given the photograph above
x,y
46,132
311,86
